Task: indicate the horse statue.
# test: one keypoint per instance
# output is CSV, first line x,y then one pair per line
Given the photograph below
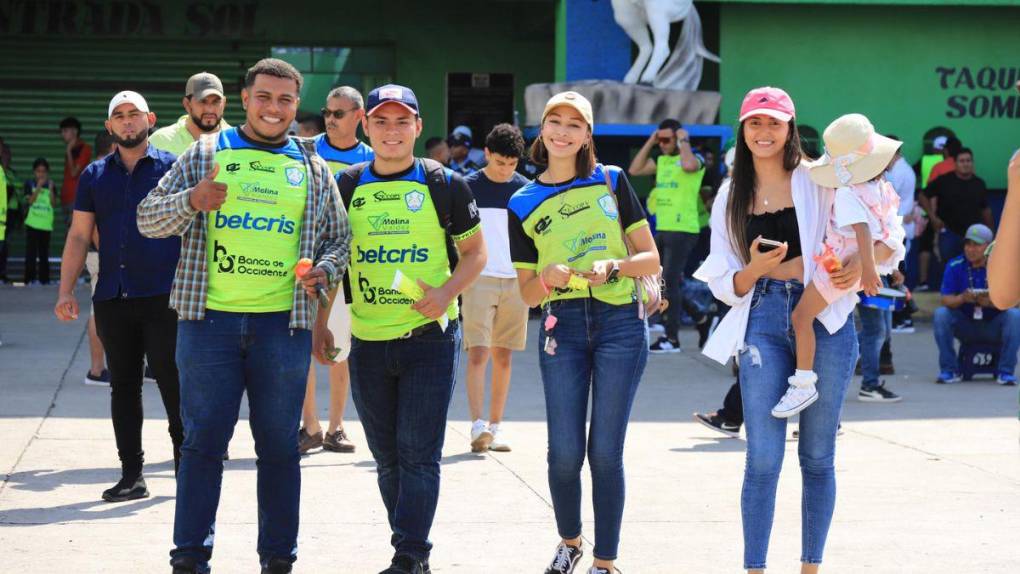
x,y
682,70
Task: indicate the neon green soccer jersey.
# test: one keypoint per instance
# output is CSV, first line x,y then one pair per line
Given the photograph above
x,y
340,159
575,223
253,238
395,226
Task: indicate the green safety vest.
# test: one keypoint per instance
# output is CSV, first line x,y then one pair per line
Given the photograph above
x,y
677,196
13,202
253,240
3,205
927,163
395,226
703,215
40,213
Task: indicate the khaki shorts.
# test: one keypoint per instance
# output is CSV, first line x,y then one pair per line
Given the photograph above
x,y
92,264
495,315
339,324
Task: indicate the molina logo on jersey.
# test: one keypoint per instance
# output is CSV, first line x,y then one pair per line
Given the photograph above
x,y
608,205
414,200
295,175
582,244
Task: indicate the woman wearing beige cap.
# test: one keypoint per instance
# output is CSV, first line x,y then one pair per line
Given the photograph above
x,y
567,231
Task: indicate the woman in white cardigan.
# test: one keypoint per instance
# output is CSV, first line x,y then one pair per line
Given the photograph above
x,y
770,196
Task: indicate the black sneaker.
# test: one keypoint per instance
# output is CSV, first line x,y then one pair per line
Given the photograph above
x,y
665,345
100,380
278,566
127,489
878,394
566,559
719,424
404,564
188,565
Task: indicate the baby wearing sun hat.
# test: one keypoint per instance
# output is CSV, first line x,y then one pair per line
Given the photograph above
x,y
863,220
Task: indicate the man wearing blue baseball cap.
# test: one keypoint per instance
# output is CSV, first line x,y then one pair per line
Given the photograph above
x,y
967,313
410,219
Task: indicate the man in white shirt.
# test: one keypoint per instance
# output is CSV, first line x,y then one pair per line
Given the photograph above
x,y
495,316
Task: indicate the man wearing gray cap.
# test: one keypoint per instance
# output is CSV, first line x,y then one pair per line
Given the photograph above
x,y
968,315
204,103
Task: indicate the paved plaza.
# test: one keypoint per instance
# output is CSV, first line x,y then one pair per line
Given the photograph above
x,y
931,484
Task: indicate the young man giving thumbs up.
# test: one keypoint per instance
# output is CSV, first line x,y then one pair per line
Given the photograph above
x,y
249,202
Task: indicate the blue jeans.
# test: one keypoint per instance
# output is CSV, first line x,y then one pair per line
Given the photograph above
x,y
876,325
676,249
402,390
953,324
768,358
601,349
219,359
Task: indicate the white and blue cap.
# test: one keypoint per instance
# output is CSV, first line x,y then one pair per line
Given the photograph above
x,y
391,93
128,97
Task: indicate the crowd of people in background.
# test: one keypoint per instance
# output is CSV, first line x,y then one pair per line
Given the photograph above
x,y
148,217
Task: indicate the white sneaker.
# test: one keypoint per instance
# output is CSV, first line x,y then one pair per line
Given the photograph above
x,y
798,397
481,436
499,442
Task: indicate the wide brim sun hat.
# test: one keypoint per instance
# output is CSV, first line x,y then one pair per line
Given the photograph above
x,y
854,153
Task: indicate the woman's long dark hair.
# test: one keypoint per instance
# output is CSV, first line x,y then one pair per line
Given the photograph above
x,y
744,185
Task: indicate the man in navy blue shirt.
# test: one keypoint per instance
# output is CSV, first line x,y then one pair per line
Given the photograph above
x,y
968,314
131,301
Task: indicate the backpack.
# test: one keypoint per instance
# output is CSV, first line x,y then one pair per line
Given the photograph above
x,y
437,179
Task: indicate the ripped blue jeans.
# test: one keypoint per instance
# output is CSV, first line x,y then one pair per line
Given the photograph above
x,y
768,358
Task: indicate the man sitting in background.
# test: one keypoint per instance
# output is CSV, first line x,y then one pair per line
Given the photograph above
x,y
968,313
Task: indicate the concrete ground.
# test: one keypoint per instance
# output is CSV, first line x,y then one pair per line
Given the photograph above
x,y
931,484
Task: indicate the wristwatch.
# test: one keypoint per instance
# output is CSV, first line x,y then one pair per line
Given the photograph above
x,y
614,272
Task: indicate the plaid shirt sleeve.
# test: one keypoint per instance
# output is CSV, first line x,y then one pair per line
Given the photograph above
x,y
167,210
333,242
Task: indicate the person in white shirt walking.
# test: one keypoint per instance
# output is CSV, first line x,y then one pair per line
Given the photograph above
x,y
495,316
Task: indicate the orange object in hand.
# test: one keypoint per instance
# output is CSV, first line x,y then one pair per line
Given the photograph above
x,y
303,266
829,261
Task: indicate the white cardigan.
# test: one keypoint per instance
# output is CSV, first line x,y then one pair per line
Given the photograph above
x,y
812,205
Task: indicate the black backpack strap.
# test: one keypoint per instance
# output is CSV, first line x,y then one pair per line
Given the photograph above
x,y
347,182
437,177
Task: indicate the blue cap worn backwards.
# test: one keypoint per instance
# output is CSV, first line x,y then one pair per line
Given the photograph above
x,y
391,93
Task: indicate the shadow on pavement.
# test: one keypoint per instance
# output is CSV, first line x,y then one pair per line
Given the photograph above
x,y
78,512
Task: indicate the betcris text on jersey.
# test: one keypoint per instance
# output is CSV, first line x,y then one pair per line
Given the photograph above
x,y
381,254
257,223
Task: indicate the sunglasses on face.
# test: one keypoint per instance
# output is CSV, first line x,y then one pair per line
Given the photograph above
x,y
338,114
664,141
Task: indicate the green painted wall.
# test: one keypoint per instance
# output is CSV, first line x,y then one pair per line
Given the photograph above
x,y
431,38
907,68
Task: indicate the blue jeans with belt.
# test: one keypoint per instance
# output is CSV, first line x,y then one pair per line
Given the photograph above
x,y
601,351
767,359
402,390
219,359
